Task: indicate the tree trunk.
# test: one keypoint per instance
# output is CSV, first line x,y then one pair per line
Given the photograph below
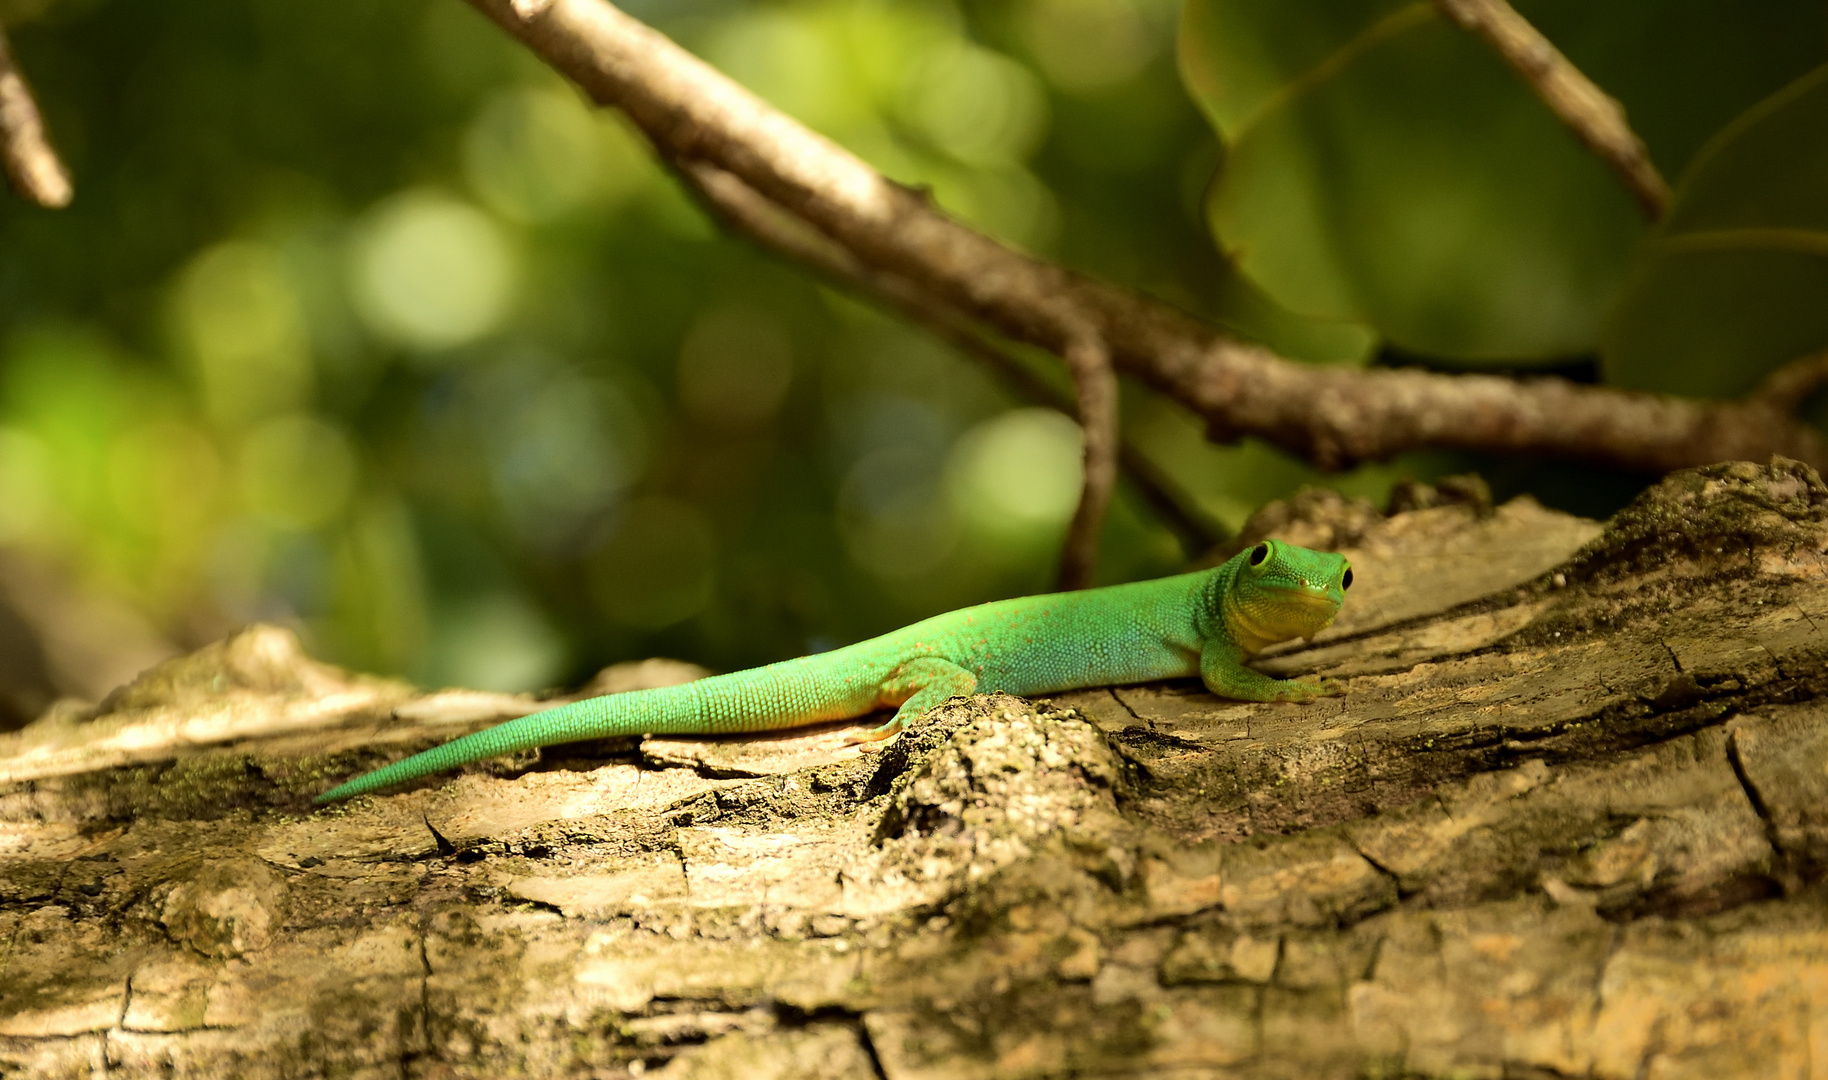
x,y
1569,819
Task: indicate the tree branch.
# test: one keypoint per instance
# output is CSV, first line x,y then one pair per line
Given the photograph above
x,y
1784,390
27,154
747,212
1595,117
1329,416
1096,385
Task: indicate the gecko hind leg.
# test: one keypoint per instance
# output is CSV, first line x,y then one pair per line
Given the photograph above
x,y
916,687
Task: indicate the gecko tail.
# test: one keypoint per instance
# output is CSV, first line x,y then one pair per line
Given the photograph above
x,y
672,708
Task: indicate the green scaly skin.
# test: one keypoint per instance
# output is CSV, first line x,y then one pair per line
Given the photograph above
x,y
1206,623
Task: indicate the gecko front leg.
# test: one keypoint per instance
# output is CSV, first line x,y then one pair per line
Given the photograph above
x,y
1222,670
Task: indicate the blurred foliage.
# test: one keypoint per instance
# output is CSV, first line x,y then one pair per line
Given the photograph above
x,y
362,319
1735,282
1386,169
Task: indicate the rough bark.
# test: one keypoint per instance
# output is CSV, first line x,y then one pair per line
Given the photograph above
x,y
1568,820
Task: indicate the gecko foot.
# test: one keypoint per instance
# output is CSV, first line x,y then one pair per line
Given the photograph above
x,y
874,735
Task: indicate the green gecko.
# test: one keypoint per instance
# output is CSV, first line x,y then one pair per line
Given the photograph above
x,y
1205,623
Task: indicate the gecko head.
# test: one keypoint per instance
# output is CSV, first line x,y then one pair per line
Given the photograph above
x,y
1283,591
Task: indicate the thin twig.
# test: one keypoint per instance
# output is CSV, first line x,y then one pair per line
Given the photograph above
x,y
1785,390
1174,507
1595,117
1330,416
1095,384
29,159
743,209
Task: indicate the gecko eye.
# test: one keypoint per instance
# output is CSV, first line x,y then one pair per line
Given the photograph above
x,y
1258,554
1345,580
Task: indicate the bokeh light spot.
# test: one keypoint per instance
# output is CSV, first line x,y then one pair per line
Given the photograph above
x,y
1016,478
297,471
537,154
976,105
1084,46
164,476
783,57
27,489
430,272
241,322
498,642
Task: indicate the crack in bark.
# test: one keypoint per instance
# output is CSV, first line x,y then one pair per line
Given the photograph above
x,y
1812,627
1785,875
1776,662
1141,721
425,1005
126,1002
1653,1045
1369,974
1396,879
1615,941
1520,1070
12,940
1275,969
869,1048
106,1035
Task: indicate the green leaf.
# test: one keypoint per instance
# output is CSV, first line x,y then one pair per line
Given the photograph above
x,y
1735,282
1238,55
1238,304
1407,179
1386,167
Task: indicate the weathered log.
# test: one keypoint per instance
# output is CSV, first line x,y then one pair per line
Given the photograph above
x,y
1571,819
